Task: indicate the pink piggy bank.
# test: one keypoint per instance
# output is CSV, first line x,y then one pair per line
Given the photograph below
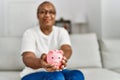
x,y
55,57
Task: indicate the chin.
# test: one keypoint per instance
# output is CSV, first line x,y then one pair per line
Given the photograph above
x,y
48,26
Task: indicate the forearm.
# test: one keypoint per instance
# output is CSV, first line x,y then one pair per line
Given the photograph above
x,y
67,50
30,60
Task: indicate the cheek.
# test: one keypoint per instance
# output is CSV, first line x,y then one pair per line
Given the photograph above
x,y
40,17
49,58
53,17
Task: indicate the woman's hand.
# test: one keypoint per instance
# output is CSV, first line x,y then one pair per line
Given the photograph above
x,y
45,65
64,63
67,54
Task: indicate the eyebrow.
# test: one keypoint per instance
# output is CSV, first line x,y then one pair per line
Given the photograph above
x,y
42,9
47,10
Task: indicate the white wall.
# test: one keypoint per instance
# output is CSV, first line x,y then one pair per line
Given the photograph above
x,y
1,18
103,15
18,15
94,16
111,18
104,18
69,9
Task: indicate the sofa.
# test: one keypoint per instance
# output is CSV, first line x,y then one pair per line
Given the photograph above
x,y
98,59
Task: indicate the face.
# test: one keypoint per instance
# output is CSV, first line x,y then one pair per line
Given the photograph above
x,y
46,15
55,57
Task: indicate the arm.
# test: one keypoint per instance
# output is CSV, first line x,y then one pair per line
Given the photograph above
x,y
28,49
67,54
28,53
30,60
67,50
65,45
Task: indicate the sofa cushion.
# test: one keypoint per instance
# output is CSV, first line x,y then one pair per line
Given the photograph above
x,y
85,51
99,74
10,75
10,53
111,53
89,73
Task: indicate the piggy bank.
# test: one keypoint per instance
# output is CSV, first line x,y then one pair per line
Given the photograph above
x,y
54,57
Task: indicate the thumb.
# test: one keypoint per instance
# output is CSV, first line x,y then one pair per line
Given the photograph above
x,y
43,56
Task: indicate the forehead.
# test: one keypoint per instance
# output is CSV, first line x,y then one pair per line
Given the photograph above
x,y
46,6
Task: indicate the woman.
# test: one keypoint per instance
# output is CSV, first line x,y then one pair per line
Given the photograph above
x,y
36,43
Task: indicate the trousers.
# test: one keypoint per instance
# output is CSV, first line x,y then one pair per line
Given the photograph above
x,y
57,75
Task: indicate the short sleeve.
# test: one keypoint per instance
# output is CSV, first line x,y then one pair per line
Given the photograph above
x,y
64,37
28,42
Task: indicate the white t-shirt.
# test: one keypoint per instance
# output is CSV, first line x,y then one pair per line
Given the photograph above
x,y
35,41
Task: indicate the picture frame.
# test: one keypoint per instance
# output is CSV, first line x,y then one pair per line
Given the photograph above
x,y
65,24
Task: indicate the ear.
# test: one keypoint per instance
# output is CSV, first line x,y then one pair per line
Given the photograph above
x,y
51,52
61,52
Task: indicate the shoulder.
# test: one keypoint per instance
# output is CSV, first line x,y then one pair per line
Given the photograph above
x,y
59,29
30,31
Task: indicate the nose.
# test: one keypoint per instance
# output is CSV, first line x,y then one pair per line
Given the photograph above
x,y
56,61
47,13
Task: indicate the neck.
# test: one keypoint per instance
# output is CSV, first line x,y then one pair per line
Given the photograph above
x,y
46,29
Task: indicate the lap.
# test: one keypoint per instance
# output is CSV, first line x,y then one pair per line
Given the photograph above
x,y
57,75
73,74
44,76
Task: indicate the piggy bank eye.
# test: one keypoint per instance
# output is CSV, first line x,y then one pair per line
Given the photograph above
x,y
52,57
58,57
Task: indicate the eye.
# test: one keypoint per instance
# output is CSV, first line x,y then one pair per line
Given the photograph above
x,y
58,57
51,12
52,57
42,12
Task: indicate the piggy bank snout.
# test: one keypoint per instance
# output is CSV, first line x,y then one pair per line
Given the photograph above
x,y
55,57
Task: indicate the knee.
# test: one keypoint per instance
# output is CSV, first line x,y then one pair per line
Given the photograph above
x,y
56,76
59,76
76,75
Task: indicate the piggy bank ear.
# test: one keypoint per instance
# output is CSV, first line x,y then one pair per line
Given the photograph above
x,y
50,52
60,51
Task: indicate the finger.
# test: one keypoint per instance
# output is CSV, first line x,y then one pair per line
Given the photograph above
x,y
55,67
64,58
62,66
43,56
45,64
63,62
50,69
48,65
65,65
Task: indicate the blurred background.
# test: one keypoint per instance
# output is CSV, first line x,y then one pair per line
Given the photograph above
x,y
99,16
